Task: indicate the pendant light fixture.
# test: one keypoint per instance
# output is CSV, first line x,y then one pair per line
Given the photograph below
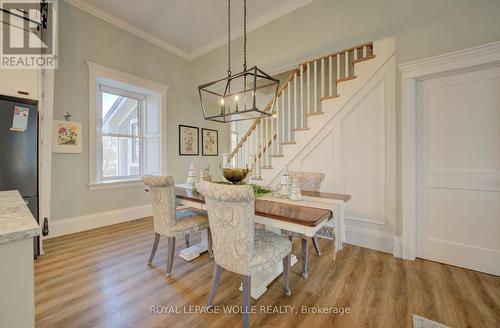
x,y
249,94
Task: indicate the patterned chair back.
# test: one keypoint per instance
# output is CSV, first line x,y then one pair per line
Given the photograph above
x,y
162,191
231,217
309,181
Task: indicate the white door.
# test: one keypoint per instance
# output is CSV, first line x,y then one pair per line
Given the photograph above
x,y
458,169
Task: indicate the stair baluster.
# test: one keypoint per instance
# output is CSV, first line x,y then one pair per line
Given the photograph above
x,y
294,102
330,76
322,78
315,86
296,124
308,88
302,115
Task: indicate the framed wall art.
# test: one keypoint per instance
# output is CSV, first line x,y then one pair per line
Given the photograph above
x,y
188,140
210,142
67,137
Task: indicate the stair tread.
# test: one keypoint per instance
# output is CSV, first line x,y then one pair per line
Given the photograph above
x,y
301,129
346,78
329,97
277,155
267,167
363,59
314,113
288,143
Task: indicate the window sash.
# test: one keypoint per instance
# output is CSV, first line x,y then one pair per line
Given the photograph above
x,y
99,134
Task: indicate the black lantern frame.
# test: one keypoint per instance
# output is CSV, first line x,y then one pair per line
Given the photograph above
x,y
231,110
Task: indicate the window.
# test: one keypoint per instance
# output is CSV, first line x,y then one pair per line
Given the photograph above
x,y
121,135
126,125
234,139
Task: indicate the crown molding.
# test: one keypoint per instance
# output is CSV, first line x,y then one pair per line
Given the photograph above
x,y
267,18
124,25
118,22
484,54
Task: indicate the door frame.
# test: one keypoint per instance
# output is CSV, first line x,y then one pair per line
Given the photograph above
x,y
469,59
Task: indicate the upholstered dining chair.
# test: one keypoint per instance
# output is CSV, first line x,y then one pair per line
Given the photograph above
x,y
308,181
237,246
167,221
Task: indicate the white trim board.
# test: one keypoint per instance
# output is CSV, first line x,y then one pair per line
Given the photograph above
x,y
370,238
126,26
97,220
99,73
412,72
267,18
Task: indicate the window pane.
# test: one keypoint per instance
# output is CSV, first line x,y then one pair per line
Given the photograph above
x,y
121,157
119,114
234,140
109,157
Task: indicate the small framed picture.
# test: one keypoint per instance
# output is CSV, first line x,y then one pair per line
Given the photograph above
x,y
210,142
188,140
67,137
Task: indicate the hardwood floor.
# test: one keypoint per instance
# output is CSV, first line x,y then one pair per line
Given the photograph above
x,y
100,278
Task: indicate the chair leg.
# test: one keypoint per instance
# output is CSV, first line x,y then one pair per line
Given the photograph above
x,y
316,245
305,253
246,300
210,243
287,262
215,284
155,247
186,239
170,256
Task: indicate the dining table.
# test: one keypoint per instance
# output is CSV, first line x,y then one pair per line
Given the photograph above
x,y
306,217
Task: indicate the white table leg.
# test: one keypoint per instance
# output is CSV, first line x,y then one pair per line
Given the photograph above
x,y
262,279
195,250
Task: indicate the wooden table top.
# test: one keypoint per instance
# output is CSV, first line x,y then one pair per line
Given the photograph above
x,y
297,214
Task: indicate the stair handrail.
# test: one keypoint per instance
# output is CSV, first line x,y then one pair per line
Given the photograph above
x,y
266,109
301,68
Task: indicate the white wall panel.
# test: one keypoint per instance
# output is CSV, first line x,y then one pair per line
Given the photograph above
x,y
356,151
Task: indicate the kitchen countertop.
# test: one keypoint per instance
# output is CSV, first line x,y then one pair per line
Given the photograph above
x,y
16,220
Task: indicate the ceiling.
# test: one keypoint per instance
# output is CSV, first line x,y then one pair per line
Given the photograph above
x,y
187,27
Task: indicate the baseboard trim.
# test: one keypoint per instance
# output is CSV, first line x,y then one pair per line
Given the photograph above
x,y
97,220
398,246
369,238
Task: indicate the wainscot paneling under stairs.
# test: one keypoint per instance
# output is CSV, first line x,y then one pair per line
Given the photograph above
x,y
336,115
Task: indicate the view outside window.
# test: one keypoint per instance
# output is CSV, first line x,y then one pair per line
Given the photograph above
x,y
121,136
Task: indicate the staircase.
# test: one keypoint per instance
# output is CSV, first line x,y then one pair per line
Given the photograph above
x,y
312,95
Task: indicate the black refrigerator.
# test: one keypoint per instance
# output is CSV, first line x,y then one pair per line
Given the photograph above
x,y
19,152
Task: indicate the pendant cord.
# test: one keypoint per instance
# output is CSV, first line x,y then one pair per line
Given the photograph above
x,y
229,37
244,35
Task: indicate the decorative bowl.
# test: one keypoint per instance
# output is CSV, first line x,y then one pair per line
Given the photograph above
x,y
235,176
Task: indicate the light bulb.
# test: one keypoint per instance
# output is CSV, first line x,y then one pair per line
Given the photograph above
x,y
236,98
222,101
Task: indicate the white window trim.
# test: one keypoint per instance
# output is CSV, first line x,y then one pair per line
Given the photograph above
x,y
130,82
131,150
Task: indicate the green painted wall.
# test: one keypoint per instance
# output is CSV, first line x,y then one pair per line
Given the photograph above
x,y
422,28
83,37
